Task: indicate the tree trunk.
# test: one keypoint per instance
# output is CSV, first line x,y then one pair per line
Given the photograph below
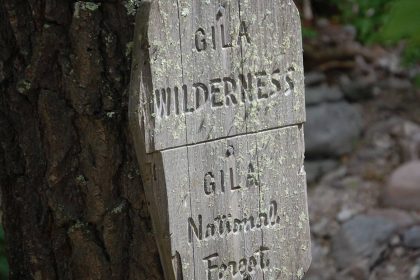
x,y
72,200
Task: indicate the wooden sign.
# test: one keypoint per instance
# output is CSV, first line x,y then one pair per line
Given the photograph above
x,y
217,111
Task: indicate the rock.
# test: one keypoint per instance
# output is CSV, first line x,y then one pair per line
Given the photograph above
x,y
314,78
322,267
346,214
401,218
316,168
363,237
321,94
399,251
351,31
391,62
357,270
396,84
411,238
390,268
403,189
325,227
335,175
395,241
408,135
332,129
415,272
356,89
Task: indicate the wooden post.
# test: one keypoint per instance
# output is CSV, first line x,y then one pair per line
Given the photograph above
x,y
217,111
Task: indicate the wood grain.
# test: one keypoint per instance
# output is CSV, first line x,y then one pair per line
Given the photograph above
x,y
222,160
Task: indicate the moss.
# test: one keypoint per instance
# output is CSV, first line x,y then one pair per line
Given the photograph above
x,y
85,6
129,48
90,6
23,86
77,226
120,208
110,115
131,6
81,180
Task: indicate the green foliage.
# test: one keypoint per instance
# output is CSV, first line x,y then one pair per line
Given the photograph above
x,y
417,81
368,16
403,23
308,32
385,21
4,267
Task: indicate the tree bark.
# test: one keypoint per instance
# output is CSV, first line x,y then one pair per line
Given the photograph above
x,y
72,200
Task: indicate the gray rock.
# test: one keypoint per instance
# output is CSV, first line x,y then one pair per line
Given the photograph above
x,y
395,241
316,168
321,94
415,272
356,89
345,215
358,270
363,237
408,135
322,267
396,83
403,189
401,218
411,238
351,31
314,78
332,129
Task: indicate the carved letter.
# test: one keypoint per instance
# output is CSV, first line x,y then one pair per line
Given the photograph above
x,y
192,229
222,271
187,100
168,101
224,27
252,264
246,87
200,40
161,103
242,266
201,94
176,92
262,84
248,223
216,96
209,184
264,263
211,267
224,35
273,213
289,81
210,230
276,82
222,180
251,178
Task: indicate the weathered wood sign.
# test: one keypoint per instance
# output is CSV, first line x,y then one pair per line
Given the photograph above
x,y
217,113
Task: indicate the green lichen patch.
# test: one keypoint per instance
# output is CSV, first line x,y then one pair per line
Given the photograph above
x,y
131,6
23,86
85,6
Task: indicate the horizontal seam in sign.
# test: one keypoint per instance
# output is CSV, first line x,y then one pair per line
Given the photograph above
x,y
228,137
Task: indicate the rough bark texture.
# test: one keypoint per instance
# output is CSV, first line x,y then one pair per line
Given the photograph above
x,y
72,200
